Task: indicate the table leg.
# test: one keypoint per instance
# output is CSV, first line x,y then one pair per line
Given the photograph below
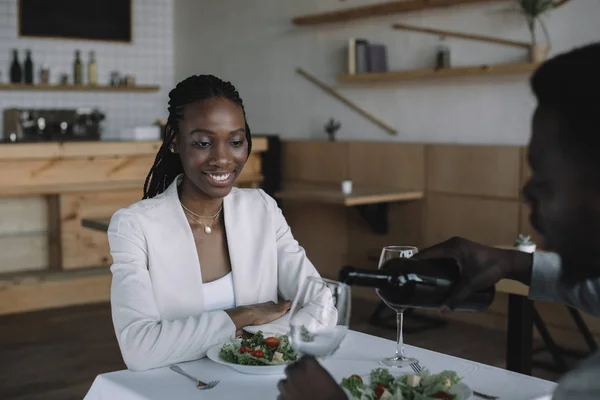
x,y
519,346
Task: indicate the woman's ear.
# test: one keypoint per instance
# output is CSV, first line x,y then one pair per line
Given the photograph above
x,y
173,148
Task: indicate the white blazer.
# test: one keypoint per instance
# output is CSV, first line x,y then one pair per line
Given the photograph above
x,y
156,292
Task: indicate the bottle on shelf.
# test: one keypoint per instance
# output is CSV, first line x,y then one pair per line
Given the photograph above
x,y
77,69
45,74
443,55
92,71
410,283
28,68
16,74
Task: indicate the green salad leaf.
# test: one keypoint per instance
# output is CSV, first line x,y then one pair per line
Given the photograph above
x,y
258,350
421,386
381,375
354,384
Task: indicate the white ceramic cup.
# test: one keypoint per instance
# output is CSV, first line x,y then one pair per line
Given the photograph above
x,y
347,186
527,248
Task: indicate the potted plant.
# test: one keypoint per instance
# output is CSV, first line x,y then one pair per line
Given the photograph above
x,y
533,10
525,243
331,128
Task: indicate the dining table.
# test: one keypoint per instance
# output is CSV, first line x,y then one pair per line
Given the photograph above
x,y
358,354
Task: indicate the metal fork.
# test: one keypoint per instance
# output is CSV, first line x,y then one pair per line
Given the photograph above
x,y
417,368
199,384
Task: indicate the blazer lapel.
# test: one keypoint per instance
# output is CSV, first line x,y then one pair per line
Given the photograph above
x,y
180,250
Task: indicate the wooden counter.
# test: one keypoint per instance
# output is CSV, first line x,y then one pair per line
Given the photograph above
x,y
46,189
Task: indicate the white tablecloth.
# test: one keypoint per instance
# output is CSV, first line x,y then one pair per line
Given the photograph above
x,y
359,354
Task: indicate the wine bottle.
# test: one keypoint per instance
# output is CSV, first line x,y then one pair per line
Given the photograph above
x,y
77,69
16,74
92,72
409,283
28,68
443,55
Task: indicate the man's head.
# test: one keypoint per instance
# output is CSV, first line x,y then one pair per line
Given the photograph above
x,y
564,155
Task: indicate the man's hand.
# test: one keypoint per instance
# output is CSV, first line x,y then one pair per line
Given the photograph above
x,y
481,266
306,379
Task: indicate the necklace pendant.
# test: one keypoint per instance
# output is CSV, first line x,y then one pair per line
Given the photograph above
x,y
207,230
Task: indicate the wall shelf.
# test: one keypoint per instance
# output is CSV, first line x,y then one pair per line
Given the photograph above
x,y
441,73
82,88
381,9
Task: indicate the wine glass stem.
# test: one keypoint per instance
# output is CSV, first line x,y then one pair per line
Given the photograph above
x,y
399,339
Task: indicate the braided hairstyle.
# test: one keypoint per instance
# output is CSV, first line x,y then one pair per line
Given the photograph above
x,y
167,165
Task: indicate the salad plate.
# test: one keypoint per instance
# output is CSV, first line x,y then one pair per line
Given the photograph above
x,y
380,384
258,355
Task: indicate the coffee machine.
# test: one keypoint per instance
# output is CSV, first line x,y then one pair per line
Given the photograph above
x,y
52,125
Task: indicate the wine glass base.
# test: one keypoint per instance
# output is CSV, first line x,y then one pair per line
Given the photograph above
x,y
398,362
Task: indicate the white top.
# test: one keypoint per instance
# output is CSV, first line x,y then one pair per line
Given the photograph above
x,y
157,294
219,294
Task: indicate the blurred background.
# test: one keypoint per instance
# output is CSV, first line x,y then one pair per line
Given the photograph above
x,y
376,123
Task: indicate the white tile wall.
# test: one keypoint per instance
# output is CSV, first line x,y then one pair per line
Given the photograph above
x,y
149,58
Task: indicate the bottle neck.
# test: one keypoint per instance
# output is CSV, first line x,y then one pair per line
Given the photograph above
x,y
364,277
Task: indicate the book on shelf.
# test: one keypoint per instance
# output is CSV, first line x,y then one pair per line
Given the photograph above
x,y
377,58
366,57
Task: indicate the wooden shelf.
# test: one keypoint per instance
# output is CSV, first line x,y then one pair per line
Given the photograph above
x,y
80,88
381,9
371,203
441,73
359,196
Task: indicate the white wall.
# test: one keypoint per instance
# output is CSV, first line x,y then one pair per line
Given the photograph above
x,y
254,44
149,58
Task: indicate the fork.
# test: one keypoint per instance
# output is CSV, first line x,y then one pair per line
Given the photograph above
x,y
199,384
417,368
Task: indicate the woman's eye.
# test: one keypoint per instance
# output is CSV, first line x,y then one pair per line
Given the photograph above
x,y
201,144
237,143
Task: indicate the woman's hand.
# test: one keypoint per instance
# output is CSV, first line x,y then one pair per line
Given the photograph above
x,y
270,311
257,314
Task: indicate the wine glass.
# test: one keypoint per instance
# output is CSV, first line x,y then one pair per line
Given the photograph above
x,y
320,316
399,360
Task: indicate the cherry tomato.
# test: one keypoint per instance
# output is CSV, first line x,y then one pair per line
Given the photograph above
x,y
357,377
379,390
244,349
442,395
258,354
272,342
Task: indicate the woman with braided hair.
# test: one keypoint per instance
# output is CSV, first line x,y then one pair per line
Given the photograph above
x,y
196,259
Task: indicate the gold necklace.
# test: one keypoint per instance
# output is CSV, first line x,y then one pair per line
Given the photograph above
x,y
195,217
200,216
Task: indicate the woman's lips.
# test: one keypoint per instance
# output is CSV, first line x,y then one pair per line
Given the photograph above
x,y
220,179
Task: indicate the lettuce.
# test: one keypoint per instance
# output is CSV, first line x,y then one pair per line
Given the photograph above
x,y
354,385
230,352
429,385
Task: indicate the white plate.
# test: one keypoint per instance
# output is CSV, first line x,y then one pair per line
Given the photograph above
x,y
462,391
213,354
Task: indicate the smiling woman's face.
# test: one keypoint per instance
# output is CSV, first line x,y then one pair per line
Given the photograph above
x,y
212,145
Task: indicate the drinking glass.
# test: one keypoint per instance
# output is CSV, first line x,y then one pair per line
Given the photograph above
x,y
320,317
399,360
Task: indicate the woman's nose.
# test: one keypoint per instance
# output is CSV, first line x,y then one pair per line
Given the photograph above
x,y
221,156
